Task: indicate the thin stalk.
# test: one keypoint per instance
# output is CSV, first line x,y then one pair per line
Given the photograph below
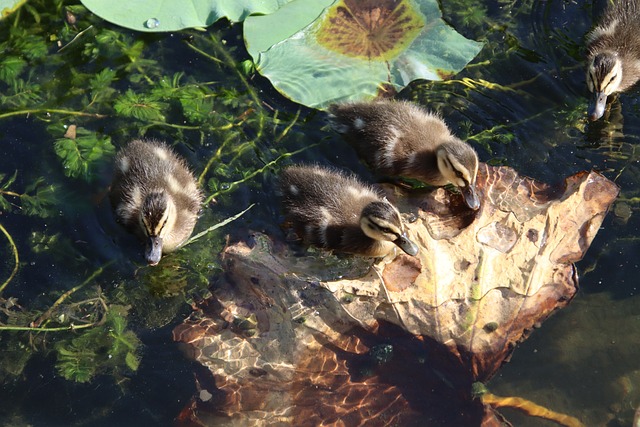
x,y
52,110
67,294
233,184
14,250
218,225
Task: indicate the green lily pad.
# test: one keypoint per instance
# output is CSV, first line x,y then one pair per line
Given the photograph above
x,y
7,7
174,15
351,49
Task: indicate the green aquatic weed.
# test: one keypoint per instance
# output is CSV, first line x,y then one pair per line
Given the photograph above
x,y
105,349
38,199
83,152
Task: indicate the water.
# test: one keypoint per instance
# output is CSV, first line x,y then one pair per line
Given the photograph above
x,y
531,115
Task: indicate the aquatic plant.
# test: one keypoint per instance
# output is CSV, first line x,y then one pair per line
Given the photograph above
x,y
86,89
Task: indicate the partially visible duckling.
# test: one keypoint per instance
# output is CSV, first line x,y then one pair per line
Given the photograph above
x,y
398,138
613,53
335,211
154,195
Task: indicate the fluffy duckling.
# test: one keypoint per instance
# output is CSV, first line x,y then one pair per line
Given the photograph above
x,y
613,53
154,195
398,138
335,211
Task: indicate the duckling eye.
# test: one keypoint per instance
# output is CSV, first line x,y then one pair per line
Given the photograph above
x,y
612,79
459,174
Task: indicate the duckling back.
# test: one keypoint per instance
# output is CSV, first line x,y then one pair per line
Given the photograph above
x,y
325,206
617,30
401,139
149,174
392,137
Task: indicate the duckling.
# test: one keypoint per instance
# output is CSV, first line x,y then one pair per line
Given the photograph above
x,y
613,53
398,138
334,210
155,196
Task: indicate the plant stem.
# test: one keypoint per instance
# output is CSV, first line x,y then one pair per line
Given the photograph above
x,y
530,408
14,250
57,329
229,61
233,184
218,225
52,110
45,316
9,193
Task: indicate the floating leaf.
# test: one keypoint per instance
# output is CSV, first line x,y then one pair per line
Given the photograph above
x,y
351,50
377,30
174,15
7,7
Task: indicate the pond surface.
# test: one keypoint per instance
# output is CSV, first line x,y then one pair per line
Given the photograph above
x,y
522,103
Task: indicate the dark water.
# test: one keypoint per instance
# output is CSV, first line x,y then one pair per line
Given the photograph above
x,y
530,114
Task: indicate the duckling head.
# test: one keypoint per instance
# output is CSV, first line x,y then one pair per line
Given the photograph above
x,y
458,164
157,217
604,76
381,221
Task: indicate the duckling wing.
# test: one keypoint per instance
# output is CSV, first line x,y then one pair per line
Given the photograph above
x,y
391,136
323,204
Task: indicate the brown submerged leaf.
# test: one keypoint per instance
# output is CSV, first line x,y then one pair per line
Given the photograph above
x,y
405,342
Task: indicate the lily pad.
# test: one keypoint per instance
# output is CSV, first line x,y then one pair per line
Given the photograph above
x,y
405,341
352,49
174,15
7,7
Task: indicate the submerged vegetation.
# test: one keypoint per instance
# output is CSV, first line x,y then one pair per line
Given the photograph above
x,y
87,88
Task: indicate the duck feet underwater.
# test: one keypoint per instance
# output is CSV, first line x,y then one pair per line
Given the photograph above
x,y
335,211
613,54
155,195
398,138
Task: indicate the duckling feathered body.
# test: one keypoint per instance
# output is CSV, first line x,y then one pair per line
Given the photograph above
x,y
613,53
335,211
155,195
399,138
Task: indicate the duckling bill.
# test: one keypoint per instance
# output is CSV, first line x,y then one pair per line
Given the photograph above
x,y
613,54
335,211
155,195
398,138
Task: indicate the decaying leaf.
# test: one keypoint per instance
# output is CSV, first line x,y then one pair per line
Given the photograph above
x,y
406,340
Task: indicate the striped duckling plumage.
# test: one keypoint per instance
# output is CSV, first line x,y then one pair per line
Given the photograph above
x,y
613,53
335,211
155,195
398,138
